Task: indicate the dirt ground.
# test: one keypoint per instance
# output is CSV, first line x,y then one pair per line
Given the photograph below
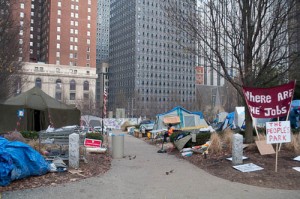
x,y
217,165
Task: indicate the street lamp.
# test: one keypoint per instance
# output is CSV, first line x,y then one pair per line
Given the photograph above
x,y
103,99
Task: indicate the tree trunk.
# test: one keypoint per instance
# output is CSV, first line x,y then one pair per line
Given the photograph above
x,y
249,126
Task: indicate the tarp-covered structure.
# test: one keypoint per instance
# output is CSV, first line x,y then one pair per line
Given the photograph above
x,y
180,118
40,110
228,122
19,160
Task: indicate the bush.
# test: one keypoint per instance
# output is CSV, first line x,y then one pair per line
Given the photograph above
x,y
96,136
202,138
33,135
215,144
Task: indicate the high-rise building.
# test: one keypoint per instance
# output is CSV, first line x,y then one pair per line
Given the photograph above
x,y
102,46
59,49
149,71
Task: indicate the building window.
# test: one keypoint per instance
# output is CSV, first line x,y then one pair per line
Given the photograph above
x,y
72,96
59,4
72,85
86,86
85,96
58,89
22,6
38,83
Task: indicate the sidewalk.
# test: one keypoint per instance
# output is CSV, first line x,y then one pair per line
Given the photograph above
x,y
144,177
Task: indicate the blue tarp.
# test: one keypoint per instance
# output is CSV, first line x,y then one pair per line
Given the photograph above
x,y
19,160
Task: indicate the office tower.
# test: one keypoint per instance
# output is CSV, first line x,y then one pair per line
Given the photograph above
x,y
149,71
59,47
102,47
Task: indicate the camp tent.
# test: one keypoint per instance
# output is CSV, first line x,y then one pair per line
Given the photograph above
x,y
180,118
40,110
239,116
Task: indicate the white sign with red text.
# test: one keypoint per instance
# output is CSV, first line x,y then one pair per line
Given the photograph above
x,y
278,132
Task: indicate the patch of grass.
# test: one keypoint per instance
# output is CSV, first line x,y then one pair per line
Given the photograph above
x,y
294,145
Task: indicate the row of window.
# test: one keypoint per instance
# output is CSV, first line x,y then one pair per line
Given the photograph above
x,y
86,86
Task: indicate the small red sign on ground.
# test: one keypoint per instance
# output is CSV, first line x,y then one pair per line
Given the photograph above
x,y
92,142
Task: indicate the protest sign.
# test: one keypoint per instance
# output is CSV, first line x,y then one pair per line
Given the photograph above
x,y
278,132
269,102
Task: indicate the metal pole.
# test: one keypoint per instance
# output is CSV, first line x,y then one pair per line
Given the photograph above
x,y
102,102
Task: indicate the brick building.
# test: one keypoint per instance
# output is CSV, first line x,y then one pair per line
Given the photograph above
x,y
59,37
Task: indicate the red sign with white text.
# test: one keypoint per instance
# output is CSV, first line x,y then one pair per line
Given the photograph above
x,y
269,102
92,142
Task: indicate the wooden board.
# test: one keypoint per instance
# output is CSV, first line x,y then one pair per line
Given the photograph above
x,y
264,148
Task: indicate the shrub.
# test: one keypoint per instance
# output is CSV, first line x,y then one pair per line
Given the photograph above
x,y
33,135
96,136
227,138
202,138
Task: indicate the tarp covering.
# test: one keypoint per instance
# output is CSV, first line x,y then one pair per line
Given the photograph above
x,y
171,120
19,160
39,111
182,142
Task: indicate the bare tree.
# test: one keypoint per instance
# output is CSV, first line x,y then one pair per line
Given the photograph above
x,y
10,66
88,105
245,41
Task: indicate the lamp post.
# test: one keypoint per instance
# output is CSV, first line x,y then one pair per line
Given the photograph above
x,y
103,101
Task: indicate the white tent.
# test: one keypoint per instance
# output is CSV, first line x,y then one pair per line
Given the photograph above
x,y
239,116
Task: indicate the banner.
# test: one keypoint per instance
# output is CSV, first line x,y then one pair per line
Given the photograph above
x,y
269,102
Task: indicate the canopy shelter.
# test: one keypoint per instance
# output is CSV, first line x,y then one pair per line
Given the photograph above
x,y
40,110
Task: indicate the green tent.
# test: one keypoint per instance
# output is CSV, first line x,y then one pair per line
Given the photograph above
x,y
39,111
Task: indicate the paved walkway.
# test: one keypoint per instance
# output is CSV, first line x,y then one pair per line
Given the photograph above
x,y
145,178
